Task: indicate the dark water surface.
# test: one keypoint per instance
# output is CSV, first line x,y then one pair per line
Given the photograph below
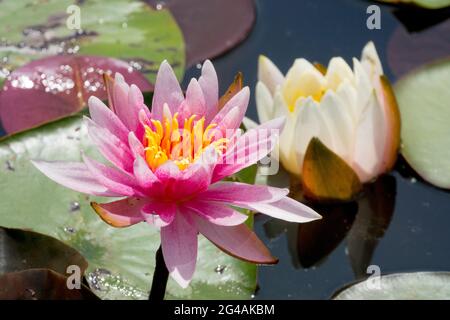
x,y
409,228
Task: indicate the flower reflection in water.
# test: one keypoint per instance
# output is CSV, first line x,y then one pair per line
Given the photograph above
x,y
362,223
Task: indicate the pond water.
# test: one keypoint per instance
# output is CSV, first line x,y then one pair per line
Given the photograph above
x,y
408,233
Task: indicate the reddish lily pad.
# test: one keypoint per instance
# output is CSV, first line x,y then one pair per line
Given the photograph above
x,y
55,87
426,46
227,24
23,250
40,284
124,29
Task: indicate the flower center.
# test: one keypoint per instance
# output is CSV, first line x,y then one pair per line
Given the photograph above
x,y
167,141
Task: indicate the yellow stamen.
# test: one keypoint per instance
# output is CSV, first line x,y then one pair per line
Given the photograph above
x,y
166,141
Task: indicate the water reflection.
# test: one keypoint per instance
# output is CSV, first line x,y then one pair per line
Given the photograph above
x,y
363,223
374,216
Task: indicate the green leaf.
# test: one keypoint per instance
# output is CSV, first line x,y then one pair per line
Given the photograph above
x,y
424,102
121,261
428,4
124,29
399,286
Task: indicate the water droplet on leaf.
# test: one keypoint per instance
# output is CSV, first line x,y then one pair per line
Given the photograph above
x,y
220,269
74,206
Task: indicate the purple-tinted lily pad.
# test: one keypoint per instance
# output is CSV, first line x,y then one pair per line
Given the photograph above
x,y
22,249
407,50
211,27
54,87
41,284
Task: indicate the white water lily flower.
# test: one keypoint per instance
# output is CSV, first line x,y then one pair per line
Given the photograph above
x,y
353,112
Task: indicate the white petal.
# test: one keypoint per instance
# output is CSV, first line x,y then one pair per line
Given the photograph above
x,y
340,123
363,86
264,102
370,61
369,144
310,123
338,70
349,96
269,74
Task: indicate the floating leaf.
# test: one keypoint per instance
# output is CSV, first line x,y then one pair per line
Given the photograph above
x,y
129,30
55,87
121,261
40,284
326,176
424,101
30,250
399,286
228,24
407,50
428,4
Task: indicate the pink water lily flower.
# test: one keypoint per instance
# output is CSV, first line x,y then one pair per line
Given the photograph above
x,y
159,168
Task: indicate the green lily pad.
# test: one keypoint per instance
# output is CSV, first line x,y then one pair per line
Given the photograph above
x,y
424,102
121,261
399,286
124,29
428,4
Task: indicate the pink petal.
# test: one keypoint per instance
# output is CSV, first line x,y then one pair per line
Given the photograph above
x,y
177,184
144,176
120,99
240,100
216,213
238,241
210,86
135,105
168,171
158,213
136,147
237,193
111,178
121,213
167,90
104,117
285,209
194,104
179,247
111,147
251,147
74,175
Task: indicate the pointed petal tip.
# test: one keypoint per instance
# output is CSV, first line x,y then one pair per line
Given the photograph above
x,y
263,58
184,283
119,77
